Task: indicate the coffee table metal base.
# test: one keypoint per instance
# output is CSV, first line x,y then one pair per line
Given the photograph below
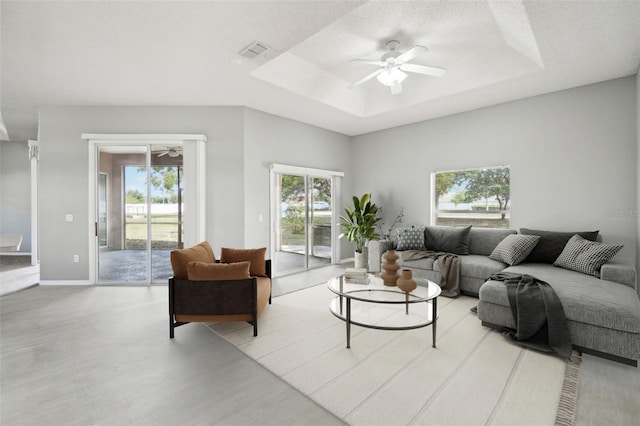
x,y
336,308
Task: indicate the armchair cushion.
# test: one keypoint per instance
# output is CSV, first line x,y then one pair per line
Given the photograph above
x,y
255,256
202,271
199,253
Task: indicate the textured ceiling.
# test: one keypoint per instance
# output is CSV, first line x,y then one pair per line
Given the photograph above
x,y
185,53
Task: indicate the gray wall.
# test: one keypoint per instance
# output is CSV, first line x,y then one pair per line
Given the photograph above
x,y
241,144
15,192
271,139
638,173
572,158
64,174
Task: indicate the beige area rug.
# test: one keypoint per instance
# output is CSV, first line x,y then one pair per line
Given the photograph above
x,y
473,377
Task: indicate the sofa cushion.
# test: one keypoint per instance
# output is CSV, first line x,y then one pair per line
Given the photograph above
x,y
201,271
411,238
449,239
586,256
584,298
255,256
514,248
484,240
476,266
198,253
552,243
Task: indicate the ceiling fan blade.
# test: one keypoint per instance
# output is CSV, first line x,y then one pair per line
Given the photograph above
x,y
424,69
164,153
369,62
412,53
369,77
396,88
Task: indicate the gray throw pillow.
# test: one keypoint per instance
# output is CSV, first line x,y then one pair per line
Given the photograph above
x,y
411,238
514,248
552,243
586,256
448,239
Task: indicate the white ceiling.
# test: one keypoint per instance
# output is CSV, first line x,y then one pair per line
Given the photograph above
x,y
186,53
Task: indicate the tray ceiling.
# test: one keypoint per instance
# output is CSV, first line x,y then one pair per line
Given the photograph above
x,y
186,53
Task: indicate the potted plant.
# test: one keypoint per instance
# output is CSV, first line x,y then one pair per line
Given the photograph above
x,y
360,225
388,237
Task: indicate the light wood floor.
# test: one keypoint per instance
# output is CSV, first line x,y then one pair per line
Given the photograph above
x,y
102,355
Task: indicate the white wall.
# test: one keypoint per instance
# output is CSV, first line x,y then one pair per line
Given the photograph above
x,y
572,156
64,173
15,191
272,139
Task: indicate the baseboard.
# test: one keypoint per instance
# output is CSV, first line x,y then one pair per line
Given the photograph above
x,y
64,282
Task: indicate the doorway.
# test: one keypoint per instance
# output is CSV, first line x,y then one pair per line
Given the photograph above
x,y
138,205
303,217
139,212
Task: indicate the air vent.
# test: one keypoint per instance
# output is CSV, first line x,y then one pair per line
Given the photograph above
x,y
253,50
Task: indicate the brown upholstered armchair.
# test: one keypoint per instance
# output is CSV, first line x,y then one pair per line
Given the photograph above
x,y
235,288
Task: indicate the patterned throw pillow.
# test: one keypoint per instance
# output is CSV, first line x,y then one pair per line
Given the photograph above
x,y
586,256
514,248
411,238
552,243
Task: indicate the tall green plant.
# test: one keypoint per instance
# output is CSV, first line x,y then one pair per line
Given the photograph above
x,y
360,222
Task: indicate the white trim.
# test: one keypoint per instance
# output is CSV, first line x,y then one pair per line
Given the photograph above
x,y
34,156
65,282
128,138
303,171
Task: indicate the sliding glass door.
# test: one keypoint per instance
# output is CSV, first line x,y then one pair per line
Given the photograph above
x,y
139,212
303,231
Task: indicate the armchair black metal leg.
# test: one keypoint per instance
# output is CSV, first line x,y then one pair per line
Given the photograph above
x,y
171,327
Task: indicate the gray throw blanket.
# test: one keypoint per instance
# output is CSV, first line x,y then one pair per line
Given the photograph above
x,y
449,265
538,314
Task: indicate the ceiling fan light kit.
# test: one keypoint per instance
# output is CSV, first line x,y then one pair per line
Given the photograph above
x,y
394,67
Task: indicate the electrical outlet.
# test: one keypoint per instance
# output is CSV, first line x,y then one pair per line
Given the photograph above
x,y
68,217
76,258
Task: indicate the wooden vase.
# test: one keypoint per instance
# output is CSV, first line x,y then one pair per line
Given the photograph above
x,y
390,268
406,282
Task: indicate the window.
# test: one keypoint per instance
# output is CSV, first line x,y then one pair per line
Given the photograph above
x,y
479,197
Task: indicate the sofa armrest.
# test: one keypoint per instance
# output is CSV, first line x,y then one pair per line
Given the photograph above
x,y
622,273
376,249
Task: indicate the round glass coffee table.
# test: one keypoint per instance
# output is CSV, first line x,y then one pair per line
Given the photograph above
x,y
382,307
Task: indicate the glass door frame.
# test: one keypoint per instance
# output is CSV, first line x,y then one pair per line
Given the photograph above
x,y
275,208
194,157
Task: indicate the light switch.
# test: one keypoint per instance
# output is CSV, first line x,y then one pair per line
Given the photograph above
x,y
259,218
69,218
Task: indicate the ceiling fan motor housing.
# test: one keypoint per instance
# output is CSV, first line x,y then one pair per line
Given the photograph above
x,y
392,45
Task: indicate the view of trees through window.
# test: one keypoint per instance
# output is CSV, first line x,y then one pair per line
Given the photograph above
x,y
294,199
478,197
166,207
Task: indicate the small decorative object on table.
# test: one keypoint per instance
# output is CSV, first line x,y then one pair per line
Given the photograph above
x,y
406,282
390,268
356,276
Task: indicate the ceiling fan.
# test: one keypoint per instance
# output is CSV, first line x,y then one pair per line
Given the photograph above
x,y
394,66
171,151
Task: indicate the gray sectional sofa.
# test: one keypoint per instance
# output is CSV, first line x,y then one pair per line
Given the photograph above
x,y
603,313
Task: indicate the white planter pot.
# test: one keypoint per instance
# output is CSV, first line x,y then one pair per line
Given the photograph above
x,y
362,259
